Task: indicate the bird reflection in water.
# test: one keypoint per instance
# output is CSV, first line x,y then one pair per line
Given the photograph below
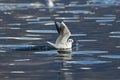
x,y
65,70
64,55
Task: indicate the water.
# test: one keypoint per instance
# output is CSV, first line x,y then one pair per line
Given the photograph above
x,y
26,26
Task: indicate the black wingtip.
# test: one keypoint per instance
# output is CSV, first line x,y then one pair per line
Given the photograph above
x,y
57,24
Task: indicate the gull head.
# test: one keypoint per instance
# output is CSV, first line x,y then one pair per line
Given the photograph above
x,y
69,43
70,40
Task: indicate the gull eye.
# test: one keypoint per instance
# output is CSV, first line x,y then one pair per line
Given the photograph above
x,y
70,40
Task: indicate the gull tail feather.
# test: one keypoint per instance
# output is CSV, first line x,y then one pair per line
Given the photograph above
x,y
51,44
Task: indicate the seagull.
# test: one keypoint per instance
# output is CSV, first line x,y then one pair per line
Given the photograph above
x,y
62,43
50,3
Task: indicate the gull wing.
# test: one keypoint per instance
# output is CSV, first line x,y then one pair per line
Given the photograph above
x,y
52,44
64,33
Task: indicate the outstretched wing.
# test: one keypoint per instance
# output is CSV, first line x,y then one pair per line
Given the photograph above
x,y
52,44
64,33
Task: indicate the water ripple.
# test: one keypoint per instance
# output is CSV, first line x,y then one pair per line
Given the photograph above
x,y
77,12
21,60
87,62
68,18
117,46
14,46
86,40
79,35
1,19
111,56
117,36
14,24
85,68
101,18
90,52
92,5
110,15
47,52
41,31
114,2
104,21
37,19
71,20
115,32
40,22
25,16
17,6
2,51
27,38
32,35
21,38
14,28
17,72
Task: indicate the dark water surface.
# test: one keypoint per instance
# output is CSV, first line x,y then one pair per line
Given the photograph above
x,y
25,26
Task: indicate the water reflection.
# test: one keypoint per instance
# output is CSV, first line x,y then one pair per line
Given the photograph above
x,y
64,57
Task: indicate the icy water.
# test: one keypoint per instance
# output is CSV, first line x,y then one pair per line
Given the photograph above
x,y
25,26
